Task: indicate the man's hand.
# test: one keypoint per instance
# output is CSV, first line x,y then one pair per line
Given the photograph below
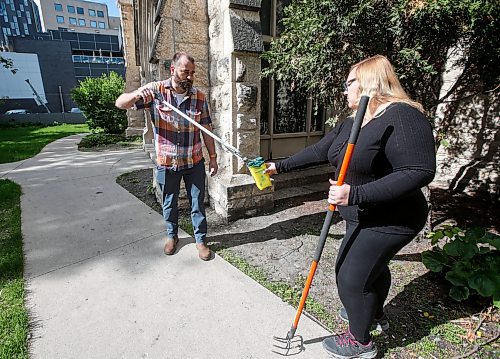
x,y
146,93
213,167
339,195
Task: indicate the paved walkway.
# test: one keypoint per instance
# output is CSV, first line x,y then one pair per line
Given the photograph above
x,y
99,286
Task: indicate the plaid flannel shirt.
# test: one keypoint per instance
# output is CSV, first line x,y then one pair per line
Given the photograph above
x,y
177,141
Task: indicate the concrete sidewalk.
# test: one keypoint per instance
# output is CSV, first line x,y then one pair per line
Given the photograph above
x,y
98,283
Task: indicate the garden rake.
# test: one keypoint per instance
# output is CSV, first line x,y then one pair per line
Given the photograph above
x,y
353,137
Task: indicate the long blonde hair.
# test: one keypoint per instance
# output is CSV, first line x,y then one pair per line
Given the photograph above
x,y
377,79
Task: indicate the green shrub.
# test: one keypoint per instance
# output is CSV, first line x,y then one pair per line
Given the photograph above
x,y
103,139
96,97
469,260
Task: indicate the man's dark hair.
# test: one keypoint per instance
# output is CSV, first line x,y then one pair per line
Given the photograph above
x,y
179,55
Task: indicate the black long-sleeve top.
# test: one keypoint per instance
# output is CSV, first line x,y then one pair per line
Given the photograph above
x,y
393,158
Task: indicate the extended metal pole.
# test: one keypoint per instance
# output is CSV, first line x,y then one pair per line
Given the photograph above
x,y
37,95
62,99
230,148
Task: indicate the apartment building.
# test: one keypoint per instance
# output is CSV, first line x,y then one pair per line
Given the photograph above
x,y
18,18
77,16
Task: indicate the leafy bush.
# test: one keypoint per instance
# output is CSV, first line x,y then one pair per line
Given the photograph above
x,y
103,139
321,39
469,259
96,98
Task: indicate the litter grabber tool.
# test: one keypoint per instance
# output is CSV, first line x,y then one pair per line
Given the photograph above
x,y
256,166
358,120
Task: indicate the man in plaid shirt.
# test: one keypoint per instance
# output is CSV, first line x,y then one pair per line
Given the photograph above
x,y
178,146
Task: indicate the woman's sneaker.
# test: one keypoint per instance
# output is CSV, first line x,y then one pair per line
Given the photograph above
x,y
345,346
381,324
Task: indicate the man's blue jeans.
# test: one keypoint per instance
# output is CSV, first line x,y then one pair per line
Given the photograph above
x,y
170,182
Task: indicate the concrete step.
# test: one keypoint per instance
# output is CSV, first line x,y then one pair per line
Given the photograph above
x,y
311,183
314,189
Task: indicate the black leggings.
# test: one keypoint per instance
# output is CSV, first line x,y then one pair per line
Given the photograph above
x,y
362,272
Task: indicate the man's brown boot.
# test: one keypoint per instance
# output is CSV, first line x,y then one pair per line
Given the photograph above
x,y
203,251
169,248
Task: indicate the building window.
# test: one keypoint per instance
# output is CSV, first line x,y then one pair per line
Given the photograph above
x,y
102,25
283,110
21,7
26,30
71,9
81,22
91,12
58,7
100,13
80,11
93,23
60,19
72,21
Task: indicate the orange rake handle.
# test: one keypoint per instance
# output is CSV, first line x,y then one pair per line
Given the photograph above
x,y
353,137
343,169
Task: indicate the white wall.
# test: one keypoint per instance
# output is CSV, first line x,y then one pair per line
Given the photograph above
x,y
14,86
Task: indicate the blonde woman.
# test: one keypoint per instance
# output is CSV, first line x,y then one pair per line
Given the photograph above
x,y
380,200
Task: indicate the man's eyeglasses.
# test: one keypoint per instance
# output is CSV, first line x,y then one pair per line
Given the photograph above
x,y
348,83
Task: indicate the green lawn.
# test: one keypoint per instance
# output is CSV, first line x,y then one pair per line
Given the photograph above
x,y
13,316
18,143
21,142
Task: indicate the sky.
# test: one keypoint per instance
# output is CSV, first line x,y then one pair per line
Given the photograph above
x,y
112,6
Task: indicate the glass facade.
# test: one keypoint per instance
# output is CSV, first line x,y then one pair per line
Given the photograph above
x,y
92,54
18,18
83,59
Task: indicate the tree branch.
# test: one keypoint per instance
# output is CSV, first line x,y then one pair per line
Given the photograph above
x,y
477,347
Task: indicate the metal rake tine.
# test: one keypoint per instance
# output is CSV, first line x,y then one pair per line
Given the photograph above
x,y
294,342
286,349
287,346
283,355
286,341
281,339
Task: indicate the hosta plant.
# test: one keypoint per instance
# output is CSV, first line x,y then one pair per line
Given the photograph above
x,y
469,260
